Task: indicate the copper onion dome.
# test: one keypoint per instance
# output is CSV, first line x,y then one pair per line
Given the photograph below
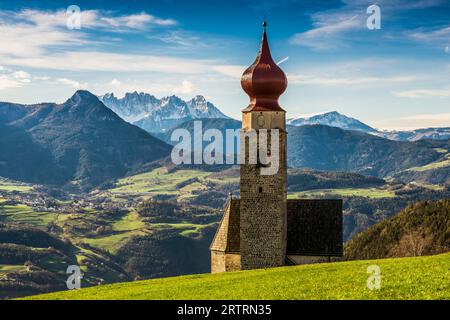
x,y
264,81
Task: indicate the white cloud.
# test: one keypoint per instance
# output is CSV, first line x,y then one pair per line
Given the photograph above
x,y
232,71
390,5
186,87
103,61
423,93
139,21
27,38
6,82
72,83
331,27
31,32
115,82
13,79
95,19
21,75
439,36
41,40
181,40
326,32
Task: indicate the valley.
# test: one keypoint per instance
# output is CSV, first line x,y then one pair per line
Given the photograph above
x,y
142,226
81,186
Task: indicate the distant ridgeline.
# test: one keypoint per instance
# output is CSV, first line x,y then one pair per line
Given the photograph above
x,y
328,148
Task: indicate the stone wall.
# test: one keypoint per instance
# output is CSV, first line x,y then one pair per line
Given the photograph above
x,y
263,201
217,262
232,262
225,262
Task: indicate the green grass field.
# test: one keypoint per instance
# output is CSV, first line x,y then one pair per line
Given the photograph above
x,y
405,278
10,186
6,268
434,165
161,182
429,186
158,181
345,192
20,213
112,243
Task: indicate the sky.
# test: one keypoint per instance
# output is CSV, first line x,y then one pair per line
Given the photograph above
x,y
395,77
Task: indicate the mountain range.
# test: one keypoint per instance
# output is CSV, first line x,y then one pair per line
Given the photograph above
x,y
418,134
334,149
79,141
83,143
338,120
158,115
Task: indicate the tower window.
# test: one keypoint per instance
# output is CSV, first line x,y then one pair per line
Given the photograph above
x,y
260,189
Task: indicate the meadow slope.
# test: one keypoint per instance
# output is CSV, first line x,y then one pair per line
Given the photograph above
x,y
402,278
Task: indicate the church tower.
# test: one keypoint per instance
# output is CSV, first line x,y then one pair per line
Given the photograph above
x,y
263,197
263,228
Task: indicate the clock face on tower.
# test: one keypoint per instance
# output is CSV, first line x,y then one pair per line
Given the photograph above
x,y
261,121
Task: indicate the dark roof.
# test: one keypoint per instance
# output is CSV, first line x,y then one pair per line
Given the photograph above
x,y
314,227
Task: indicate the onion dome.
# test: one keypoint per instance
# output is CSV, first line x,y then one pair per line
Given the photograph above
x,y
264,81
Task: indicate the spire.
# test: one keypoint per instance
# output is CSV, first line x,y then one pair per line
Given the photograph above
x,y
264,81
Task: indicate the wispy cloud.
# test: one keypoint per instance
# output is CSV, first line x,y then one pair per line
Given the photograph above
x,y
423,93
118,62
180,39
354,80
442,34
139,21
325,34
33,32
232,71
91,19
331,27
415,122
13,79
32,37
439,38
72,83
356,73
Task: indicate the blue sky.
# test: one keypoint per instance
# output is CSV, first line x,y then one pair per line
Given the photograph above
x,y
397,77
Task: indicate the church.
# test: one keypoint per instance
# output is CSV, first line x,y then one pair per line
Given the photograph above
x,y
262,228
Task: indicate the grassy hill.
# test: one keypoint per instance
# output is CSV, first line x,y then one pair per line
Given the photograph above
x,y
405,278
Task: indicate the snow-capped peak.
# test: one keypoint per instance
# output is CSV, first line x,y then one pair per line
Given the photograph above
x,y
332,119
141,108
